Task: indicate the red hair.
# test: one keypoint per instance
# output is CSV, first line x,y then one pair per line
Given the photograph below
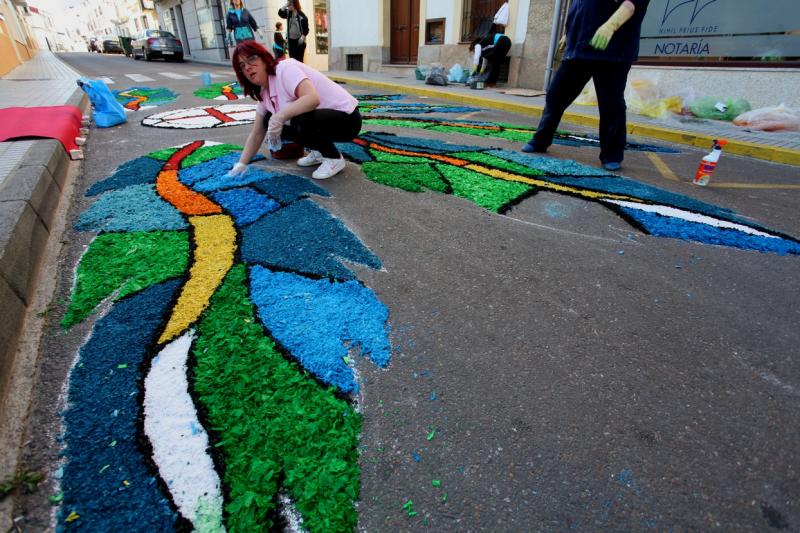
x,y
244,50
297,5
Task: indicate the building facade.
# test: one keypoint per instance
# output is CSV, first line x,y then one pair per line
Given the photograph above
x,y
734,49
200,25
17,45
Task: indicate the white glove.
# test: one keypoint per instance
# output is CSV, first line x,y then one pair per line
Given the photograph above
x,y
274,129
239,169
301,40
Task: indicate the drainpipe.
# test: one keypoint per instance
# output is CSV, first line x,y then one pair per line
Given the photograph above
x,y
551,51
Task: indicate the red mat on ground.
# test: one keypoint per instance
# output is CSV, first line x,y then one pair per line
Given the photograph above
x,y
61,122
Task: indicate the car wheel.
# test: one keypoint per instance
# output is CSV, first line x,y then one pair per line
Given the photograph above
x,y
179,59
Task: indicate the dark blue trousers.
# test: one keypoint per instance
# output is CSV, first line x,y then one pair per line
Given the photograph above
x,y
609,83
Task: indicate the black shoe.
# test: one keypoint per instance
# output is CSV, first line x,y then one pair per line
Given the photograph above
x,y
531,148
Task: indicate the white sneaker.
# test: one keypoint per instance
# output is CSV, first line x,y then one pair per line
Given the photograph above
x,y
329,168
309,160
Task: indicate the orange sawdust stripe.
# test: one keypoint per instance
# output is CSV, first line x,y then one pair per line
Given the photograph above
x,y
134,105
502,174
176,193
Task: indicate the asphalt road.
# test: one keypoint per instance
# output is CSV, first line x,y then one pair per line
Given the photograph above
x,y
578,374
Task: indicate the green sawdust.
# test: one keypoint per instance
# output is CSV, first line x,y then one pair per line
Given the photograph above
x,y
128,262
498,162
162,155
215,89
398,123
385,157
271,417
201,155
409,177
485,191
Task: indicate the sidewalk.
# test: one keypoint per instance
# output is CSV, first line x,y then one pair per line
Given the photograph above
x,y
33,174
778,147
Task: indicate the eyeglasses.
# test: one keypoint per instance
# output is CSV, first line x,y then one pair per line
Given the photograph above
x,y
249,60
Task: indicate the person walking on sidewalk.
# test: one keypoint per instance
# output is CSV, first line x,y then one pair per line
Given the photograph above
x,y
602,41
296,28
240,23
295,103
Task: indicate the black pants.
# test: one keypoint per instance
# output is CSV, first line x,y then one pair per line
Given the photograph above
x,y
609,83
320,128
493,57
296,50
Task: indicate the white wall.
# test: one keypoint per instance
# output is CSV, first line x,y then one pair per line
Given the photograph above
x,y
356,23
521,28
446,9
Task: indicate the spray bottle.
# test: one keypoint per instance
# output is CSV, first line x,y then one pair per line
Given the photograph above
x,y
709,163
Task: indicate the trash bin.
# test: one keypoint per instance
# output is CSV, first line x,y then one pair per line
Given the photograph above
x,y
125,42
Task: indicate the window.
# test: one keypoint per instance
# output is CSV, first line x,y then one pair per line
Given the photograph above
x,y
205,22
434,31
321,26
477,18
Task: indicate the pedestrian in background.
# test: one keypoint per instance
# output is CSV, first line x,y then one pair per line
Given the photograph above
x,y
602,41
295,103
296,28
240,23
490,52
278,42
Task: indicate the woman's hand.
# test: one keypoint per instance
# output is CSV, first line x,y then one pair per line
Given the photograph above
x,y
239,169
274,130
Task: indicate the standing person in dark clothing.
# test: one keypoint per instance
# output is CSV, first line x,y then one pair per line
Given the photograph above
x,y
296,28
602,41
240,23
493,49
279,43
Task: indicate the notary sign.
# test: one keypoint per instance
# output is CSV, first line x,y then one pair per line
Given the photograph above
x,y
722,28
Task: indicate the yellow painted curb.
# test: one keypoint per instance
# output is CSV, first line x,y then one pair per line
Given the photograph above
x,y
758,151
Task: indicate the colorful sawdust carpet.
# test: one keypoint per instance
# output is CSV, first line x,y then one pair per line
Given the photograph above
x,y
221,375
136,98
496,179
501,130
218,116
409,108
221,91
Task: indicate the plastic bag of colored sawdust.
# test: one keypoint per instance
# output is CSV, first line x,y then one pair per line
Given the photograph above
x,y
774,118
719,108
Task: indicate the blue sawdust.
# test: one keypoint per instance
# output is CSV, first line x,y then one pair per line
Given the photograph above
x,y
429,146
378,97
134,208
662,226
318,321
552,166
287,188
621,185
135,172
246,205
305,238
354,152
208,169
213,176
570,139
103,409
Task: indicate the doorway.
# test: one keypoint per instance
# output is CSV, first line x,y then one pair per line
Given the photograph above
x,y
404,24
182,30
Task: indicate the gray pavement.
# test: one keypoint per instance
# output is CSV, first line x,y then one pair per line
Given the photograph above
x,y
579,374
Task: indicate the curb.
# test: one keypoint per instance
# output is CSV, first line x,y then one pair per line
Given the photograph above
x,y
764,152
30,196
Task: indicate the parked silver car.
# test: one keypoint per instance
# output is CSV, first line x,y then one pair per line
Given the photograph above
x,y
151,44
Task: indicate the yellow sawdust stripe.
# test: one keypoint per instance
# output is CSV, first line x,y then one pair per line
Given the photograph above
x,y
662,167
776,154
215,243
731,185
509,176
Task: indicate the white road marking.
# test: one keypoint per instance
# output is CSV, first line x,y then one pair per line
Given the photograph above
x,y
175,76
139,77
107,81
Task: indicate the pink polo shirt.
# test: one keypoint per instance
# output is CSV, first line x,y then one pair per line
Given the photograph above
x,y
288,75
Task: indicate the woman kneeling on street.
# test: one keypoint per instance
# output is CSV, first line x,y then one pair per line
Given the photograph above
x,y
298,104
